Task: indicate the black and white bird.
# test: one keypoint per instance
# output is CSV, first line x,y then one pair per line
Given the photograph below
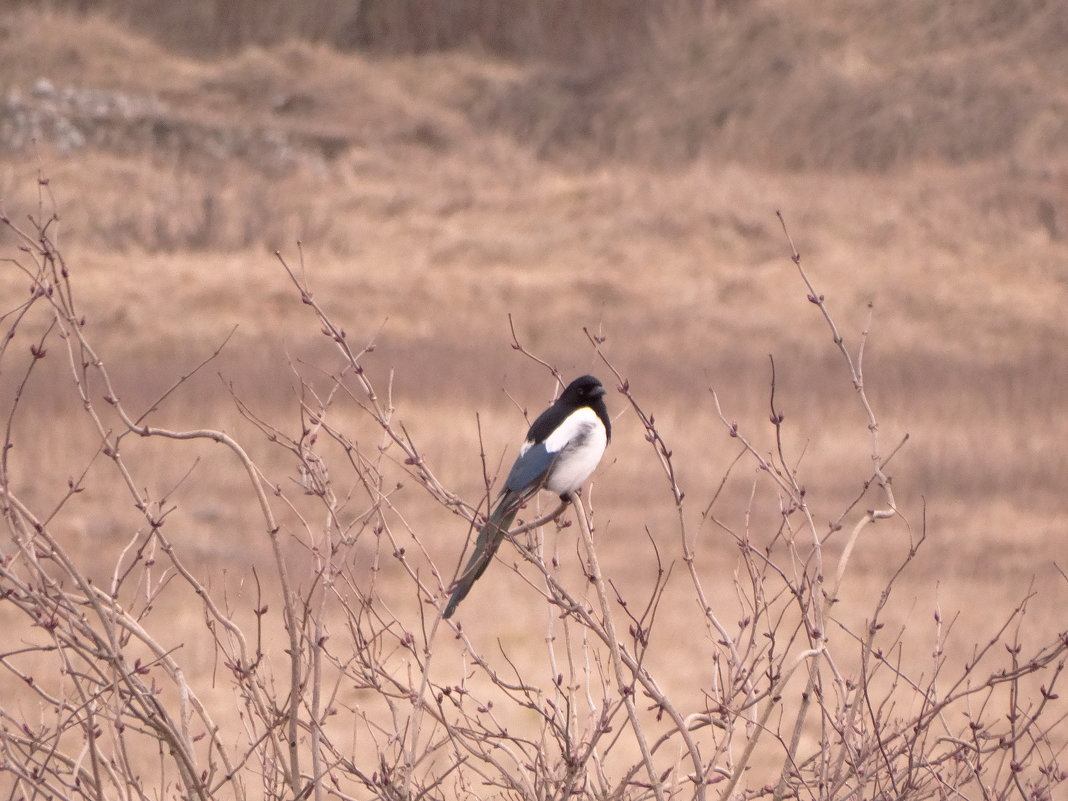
x,y
562,448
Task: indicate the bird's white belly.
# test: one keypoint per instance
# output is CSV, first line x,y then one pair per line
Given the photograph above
x,y
580,443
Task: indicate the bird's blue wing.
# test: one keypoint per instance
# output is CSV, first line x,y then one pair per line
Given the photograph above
x,y
529,468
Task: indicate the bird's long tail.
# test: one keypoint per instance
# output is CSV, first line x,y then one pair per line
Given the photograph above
x,y
489,540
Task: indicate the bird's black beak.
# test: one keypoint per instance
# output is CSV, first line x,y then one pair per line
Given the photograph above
x,y
598,392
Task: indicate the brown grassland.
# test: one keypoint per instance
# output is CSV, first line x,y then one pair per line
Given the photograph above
x,y
616,170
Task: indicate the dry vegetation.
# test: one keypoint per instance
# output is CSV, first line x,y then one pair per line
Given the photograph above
x,y
442,172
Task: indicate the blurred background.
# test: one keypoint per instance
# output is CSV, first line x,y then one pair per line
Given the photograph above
x,y
610,165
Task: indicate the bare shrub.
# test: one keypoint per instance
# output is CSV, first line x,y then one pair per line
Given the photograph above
x,y
332,673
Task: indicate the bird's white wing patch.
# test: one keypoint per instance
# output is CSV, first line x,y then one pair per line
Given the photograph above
x,y
578,443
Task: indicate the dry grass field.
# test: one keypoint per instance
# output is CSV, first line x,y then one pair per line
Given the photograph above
x,y
623,179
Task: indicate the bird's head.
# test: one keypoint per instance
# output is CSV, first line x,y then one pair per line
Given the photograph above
x,y
583,391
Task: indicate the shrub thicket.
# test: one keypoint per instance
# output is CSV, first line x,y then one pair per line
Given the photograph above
x,y
334,675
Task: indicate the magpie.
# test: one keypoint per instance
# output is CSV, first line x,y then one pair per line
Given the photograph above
x,y
562,448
